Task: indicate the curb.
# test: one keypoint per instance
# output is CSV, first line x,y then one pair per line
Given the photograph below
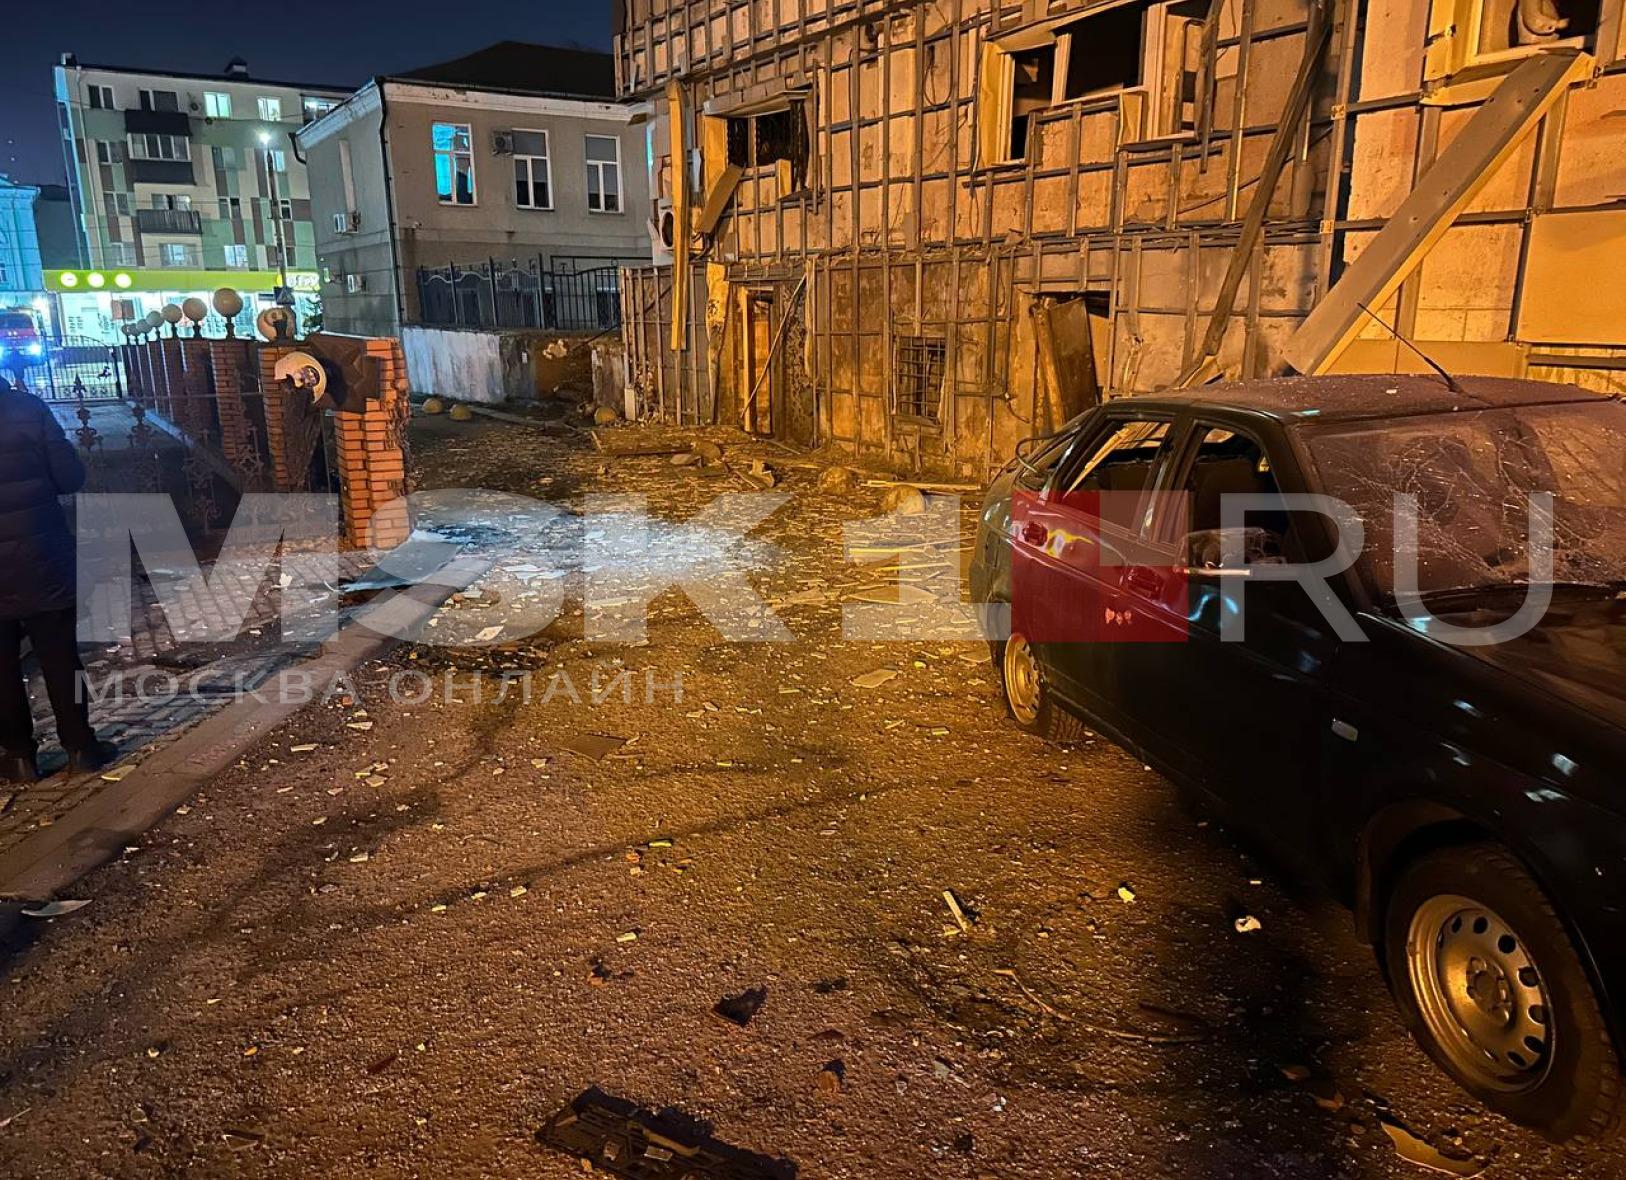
x,y
55,858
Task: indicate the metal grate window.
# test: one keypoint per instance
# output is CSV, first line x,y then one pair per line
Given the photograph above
x,y
917,377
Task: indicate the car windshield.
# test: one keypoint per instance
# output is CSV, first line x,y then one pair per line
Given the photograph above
x,y
1472,474
14,321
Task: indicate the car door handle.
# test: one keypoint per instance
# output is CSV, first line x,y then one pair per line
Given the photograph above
x,y
1034,533
1143,580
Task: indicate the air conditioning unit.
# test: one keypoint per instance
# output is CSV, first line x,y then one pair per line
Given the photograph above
x,y
347,223
502,143
355,284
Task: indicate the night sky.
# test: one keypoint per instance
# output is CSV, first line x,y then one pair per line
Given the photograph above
x,y
340,42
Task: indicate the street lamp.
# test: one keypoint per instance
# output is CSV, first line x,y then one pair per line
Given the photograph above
x,y
276,219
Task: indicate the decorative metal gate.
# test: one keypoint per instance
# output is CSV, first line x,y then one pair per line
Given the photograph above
x,y
76,368
511,294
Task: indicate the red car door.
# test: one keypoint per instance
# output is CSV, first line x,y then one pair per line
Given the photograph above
x,y
1069,548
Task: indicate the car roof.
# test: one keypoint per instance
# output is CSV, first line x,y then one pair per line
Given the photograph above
x,y
1353,397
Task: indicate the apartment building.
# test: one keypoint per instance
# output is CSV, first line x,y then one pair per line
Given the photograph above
x,y
927,230
518,158
189,173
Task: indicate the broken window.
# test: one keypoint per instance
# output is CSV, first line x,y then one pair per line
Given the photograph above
x,y
454,163
1114,471
1033,88
1155,49
1514,24
917,377
1469,32
761,141
1106,51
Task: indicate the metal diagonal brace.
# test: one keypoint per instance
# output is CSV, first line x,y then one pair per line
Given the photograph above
x,y
1281,147
1455,177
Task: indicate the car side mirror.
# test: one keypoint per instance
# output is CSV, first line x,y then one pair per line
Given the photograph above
x,y
1205,550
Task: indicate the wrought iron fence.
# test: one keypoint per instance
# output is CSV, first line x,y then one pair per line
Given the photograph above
x,y
497,294
75,368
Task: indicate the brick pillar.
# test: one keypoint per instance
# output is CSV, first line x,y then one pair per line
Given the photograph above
x,y
197,406
372,456
272,393
226,359
134,384
151,375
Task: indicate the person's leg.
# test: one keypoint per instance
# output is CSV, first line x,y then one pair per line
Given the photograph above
x,y
16,718
56,647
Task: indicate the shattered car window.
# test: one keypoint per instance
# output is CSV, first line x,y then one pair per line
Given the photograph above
x,y
1472,474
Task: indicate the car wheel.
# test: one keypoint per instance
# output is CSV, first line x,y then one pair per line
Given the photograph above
x,y
1494,991
1028,698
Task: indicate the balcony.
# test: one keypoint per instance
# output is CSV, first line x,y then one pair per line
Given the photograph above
x,y
160,171
138,122
169,221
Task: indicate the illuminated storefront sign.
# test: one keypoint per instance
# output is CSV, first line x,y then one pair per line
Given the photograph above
x,y
136,279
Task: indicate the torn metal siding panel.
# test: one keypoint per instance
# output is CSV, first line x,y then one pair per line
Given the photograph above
x,y
1464,168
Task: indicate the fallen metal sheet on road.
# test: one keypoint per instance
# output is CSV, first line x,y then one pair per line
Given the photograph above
x,y
623,1140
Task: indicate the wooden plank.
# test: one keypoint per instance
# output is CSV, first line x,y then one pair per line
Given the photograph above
x,y
1459,173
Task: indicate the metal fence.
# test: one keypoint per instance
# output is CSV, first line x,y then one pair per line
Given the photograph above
x,y
496,294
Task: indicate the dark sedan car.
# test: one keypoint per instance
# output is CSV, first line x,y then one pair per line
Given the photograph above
x,y
1397,721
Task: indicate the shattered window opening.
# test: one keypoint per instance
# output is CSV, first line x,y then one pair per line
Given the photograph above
x,y
917,377
759,141
1472,475
1507,25
1107,51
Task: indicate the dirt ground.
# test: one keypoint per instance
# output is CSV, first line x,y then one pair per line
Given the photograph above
x,y
398,953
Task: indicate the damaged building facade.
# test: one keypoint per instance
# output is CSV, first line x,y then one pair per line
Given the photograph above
x,y
924,231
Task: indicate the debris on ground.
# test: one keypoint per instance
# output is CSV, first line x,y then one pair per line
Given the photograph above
x,y
1415,1150
958,911
837,480
740,1009
242,1138
1248,924
593,745
616,1136
873,679
904,499
1126,894
56,909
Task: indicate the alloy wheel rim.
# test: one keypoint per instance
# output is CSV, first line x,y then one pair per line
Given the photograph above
x,y
1022,686
1480,993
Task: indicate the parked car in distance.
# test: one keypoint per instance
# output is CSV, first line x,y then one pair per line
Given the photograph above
x,y
1468,801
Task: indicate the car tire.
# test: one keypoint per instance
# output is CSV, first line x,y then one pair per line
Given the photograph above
x,y
1028,698
1494,991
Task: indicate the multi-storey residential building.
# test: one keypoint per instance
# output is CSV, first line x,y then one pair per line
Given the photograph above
x,y
22,275
926,230
192,175
518,157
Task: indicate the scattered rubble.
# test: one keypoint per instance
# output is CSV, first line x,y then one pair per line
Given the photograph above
x,y
739,1009
617,1137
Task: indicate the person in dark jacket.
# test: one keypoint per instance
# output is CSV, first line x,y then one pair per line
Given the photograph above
x,y
37,588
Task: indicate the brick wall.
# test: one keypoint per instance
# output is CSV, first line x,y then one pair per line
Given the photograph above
x,y
372,444
226,361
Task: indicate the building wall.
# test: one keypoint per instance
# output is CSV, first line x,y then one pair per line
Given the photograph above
x,y
352,134
227,181
1094,258
429,233
20,275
